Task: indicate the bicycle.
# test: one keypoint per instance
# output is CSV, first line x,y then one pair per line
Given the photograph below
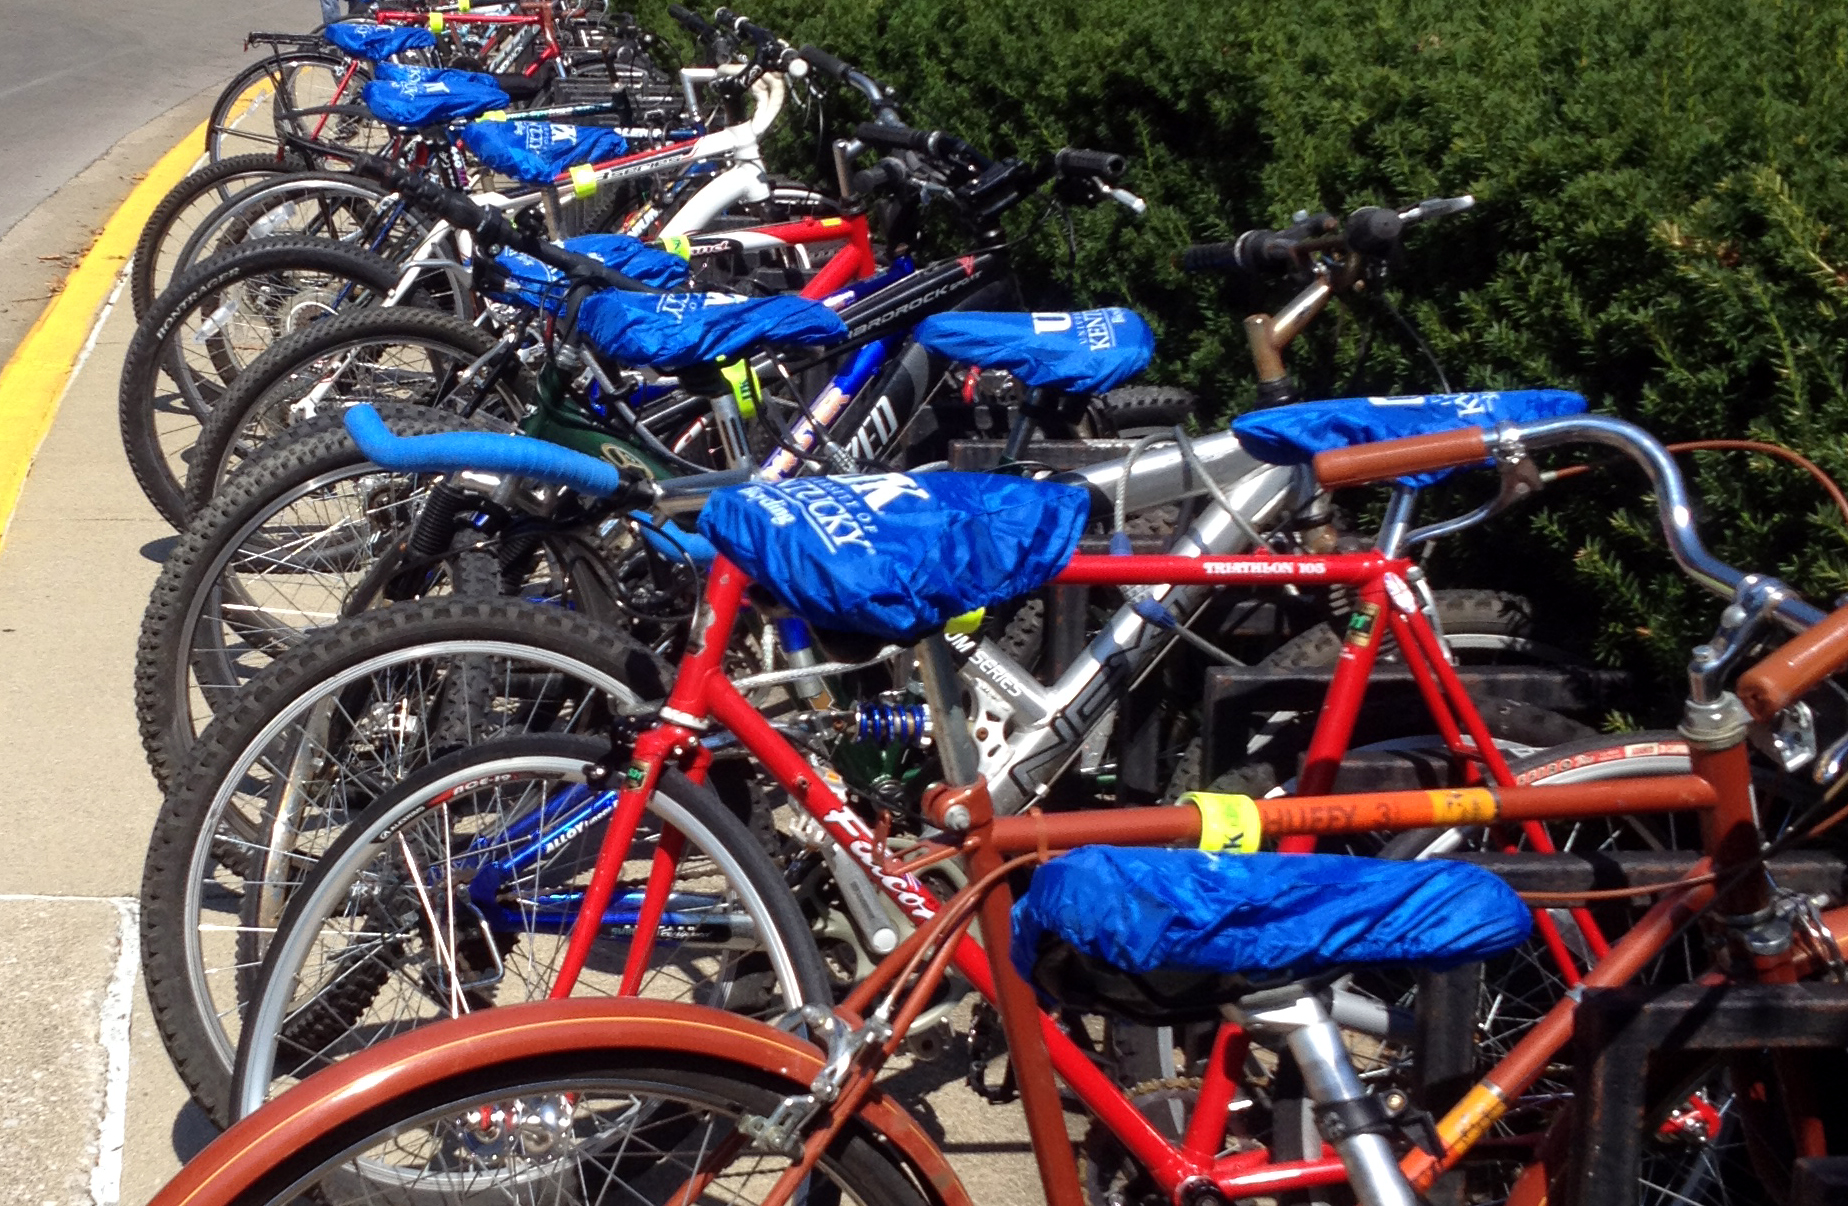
x,y
799,1104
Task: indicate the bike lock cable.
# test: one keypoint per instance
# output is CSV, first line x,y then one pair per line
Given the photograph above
x,y
1142,598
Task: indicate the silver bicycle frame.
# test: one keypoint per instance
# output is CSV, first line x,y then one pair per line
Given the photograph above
x,y
1048,727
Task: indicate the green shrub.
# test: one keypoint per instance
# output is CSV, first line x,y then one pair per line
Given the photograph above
x,y
1657,182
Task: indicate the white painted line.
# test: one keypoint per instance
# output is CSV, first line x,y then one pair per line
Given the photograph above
x,y
118,1007
89,345
118,901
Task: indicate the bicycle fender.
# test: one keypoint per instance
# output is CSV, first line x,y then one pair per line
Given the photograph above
x,y
235,1161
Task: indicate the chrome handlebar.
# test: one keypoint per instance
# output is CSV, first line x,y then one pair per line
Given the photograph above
x,y
1676,514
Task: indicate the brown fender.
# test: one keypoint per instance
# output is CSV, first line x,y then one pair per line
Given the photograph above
x,y
236,1160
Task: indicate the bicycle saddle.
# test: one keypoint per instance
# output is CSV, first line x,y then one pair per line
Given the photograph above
x,y
1167,935
678,330
1292,435
893,556
421,96
537,284
537,152
365,40
1082,352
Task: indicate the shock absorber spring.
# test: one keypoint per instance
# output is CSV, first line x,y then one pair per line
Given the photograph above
x,y
890,724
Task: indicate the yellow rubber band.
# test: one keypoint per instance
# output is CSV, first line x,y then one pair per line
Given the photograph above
x,y
678,245
493,115
1227,822
584,180
966,623
744,386
436,23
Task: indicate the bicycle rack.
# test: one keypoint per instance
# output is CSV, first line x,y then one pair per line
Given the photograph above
x,y
1619,1030
1236,695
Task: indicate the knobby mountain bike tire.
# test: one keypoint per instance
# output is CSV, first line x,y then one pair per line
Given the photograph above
x,y
328,727
211,324
637,1098
319,981
403,354
274,557
181,211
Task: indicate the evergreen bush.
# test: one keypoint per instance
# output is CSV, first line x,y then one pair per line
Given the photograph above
x,y
1658,183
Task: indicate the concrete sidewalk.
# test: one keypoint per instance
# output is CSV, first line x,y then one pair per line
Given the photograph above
x,y
76,807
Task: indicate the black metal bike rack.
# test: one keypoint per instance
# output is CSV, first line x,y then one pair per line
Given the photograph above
x,y
1619,1031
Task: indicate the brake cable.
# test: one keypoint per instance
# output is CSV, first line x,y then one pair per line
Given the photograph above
x,y
1777,451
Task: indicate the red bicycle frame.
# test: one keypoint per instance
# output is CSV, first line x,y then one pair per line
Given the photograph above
x,y
702,696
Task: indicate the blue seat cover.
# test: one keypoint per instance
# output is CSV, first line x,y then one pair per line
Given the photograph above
x,y
1263,915
422,96
674,330
894,556
535,284
1292,435
1082,352
365,40
537,152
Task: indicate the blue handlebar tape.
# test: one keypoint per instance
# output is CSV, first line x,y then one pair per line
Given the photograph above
x,y
482,451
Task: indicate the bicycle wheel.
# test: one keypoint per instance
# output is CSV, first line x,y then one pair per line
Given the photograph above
x,y
401,354
1696,1150
555,1105
181,211
247,113
317,737
276,556
324,205
370,946
209,325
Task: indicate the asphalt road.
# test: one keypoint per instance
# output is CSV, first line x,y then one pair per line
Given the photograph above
x,y
77,78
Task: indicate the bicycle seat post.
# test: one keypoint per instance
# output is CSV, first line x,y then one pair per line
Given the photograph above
x,y
950,720
960,804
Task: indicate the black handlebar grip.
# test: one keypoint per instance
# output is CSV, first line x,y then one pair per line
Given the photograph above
x,y
895,138
689,20
880,175
1261,251
826,63
755,32
1373,231
1104,164
1210,257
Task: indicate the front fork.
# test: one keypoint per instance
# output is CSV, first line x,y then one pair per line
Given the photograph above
x,y
676,742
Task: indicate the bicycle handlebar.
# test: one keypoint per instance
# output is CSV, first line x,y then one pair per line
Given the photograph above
x,y
1796,666
491,452
877,94
1371,230
1105,165
491,228
1473,446
691,21
887,172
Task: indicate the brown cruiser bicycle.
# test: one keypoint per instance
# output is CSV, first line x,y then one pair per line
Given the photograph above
x,y
636,1101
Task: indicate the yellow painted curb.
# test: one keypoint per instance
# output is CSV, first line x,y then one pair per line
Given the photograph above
x,y
33,381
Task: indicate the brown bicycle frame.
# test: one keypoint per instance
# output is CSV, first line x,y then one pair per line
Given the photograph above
x,y
703,695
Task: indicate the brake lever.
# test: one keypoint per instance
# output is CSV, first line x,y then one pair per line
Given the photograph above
x,y
1122,196
1437,207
